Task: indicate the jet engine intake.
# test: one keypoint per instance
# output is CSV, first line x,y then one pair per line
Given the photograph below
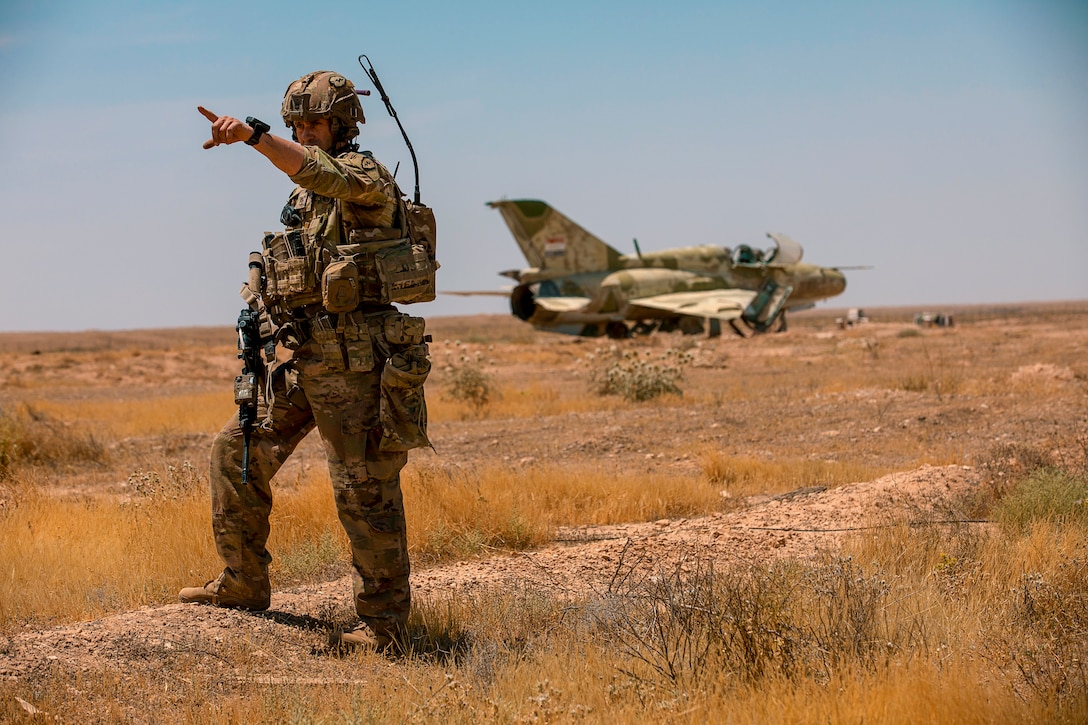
x,y
523,302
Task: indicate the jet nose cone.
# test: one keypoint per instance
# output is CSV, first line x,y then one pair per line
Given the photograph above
x,y
819,283
835,281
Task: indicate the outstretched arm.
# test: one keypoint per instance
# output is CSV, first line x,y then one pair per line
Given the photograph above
x,y
285,155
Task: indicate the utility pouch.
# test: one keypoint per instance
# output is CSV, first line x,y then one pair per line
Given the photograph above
x,y
403,409
391,270
401,329
340,285
407,273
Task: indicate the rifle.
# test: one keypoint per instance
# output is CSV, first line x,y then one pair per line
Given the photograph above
x,y
245,385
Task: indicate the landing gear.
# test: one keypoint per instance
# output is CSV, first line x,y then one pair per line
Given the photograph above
x,y
691,326
590,331
746,329
617,330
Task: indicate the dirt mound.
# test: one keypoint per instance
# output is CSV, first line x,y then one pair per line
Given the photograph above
x,y
1043,371
800,524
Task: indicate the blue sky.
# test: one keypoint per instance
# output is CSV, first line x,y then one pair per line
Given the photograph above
x,y
945,143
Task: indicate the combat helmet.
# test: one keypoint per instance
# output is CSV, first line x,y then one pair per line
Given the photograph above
x,y
324,94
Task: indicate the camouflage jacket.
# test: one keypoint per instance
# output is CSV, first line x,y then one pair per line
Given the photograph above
x,y
341,194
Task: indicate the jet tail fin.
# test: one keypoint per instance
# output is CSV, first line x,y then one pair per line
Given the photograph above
x,y
551,241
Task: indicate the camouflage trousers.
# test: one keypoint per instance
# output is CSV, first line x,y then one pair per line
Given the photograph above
x,y
344,406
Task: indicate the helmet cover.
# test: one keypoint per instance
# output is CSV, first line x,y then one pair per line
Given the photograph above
x,y
323,94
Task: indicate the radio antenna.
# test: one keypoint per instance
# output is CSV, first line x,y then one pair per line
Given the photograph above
x,y
370,72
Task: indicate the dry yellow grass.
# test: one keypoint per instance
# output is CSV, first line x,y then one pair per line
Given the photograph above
x,y
534,399
162,415
747,475
984,625
56,570
162,530
454,513
522,656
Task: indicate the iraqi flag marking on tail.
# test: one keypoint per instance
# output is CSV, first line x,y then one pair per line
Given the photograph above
x,y
555,246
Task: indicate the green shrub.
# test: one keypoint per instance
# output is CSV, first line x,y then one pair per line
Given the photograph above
x,y
1047,494
636,378
469,383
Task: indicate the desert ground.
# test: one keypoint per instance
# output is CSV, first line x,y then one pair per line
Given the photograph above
x,y
927,415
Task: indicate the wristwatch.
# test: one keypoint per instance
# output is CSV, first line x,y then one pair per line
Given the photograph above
x,y
259,129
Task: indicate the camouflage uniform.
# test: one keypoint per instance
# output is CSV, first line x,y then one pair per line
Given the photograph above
x,y
332,378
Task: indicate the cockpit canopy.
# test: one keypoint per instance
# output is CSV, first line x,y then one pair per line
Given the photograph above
x,y
782,253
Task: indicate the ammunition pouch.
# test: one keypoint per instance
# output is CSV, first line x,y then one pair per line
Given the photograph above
x,y
345,346
292,269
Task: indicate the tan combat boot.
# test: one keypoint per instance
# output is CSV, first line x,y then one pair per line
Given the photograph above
x,y
209,594
198,595
359,637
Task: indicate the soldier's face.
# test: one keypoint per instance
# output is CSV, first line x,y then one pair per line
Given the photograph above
x,y
317,132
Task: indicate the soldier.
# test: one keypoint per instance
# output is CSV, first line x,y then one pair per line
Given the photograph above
x,y
348,361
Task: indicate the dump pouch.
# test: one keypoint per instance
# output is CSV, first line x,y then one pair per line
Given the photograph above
x,y
283,392
403,409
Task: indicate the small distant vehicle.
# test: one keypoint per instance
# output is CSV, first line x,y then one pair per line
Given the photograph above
x,y
854,317
579,285
930,319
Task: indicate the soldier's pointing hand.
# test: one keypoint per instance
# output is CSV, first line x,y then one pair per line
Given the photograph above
x,y
225,129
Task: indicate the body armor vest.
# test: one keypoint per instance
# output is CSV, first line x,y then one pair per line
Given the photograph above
x,y
337,257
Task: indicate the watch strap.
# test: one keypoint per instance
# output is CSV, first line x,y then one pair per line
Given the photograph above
x,y
259,129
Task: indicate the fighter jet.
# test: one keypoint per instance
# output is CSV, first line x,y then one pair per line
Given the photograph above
x,y
579,285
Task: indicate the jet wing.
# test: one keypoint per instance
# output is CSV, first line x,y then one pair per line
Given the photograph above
x,y
562,304
478,293
720,304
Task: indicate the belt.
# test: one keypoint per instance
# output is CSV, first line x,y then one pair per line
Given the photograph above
x,y
297,331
